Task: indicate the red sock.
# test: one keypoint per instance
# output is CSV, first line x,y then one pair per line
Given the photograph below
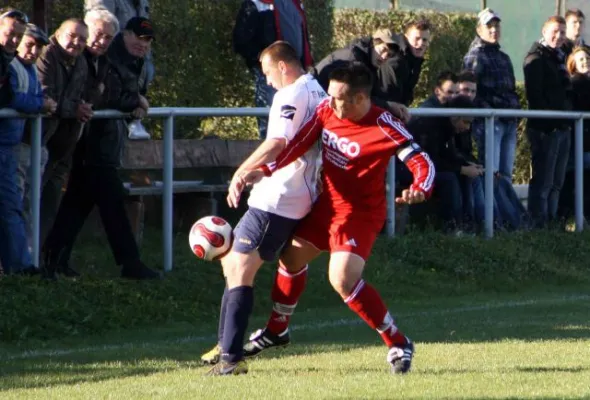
x,y
366,302
286,291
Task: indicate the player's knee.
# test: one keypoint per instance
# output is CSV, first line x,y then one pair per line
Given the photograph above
x,y
240,266
290,266
342,285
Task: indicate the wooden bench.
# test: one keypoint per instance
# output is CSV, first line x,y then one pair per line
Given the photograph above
x,y
200,166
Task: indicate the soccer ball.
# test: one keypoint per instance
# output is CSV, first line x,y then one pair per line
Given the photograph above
x,y
210,238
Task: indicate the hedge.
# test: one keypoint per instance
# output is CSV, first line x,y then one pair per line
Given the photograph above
x,y
196,66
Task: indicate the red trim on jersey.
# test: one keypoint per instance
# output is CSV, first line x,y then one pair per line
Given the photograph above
x,y
422,168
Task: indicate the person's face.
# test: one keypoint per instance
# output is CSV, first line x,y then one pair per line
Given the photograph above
x,y
72,38
490,32
461,124
11,34
468,89
273,71
554,34
100,36
137,46
582,60
384,51
344,104
446,91
574,27
29,50
419,41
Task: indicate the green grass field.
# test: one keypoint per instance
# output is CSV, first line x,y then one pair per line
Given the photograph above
x,y
535,345
502,319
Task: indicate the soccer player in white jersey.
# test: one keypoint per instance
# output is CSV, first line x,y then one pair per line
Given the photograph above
x,y
276,204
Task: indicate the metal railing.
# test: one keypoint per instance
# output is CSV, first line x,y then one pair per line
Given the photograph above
x,y
168,171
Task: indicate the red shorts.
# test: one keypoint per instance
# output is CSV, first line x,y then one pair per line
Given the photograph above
x,y
328,231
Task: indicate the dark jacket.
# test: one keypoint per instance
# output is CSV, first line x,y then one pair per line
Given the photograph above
x,y
103,142
581,102
5,93
258,26
414,65
569,46
496,84
547,85
63,79
436,137
431,102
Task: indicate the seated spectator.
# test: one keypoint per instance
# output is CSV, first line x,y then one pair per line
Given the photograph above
x,y
28,98
578,64
446,88
14,252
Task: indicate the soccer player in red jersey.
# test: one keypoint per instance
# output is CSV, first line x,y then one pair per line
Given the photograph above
x,y
357,140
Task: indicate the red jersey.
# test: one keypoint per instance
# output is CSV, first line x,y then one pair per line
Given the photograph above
x,y
355,158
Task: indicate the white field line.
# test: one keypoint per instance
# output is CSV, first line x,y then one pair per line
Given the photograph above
x,y
28,354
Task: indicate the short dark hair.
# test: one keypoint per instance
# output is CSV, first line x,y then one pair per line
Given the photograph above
x,y
420,24
10,12
446,76
574,12
467,76
280,51
356,75
460,101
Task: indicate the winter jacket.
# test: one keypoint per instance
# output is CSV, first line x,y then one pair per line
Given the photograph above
x,y
547,85
414,65
260,23
581,102
63,79
5,92
496,84
104,139
27,98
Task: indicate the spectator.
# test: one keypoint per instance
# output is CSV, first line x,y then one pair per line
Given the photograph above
x,y
578,64
468,85
124,10
548,87
574,29
417,37
446,89
28,98
455,170
63,73
496,89
14,253
94,180
260,23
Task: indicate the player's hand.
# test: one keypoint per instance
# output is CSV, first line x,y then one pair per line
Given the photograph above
x,y
400,111
239,182
410,196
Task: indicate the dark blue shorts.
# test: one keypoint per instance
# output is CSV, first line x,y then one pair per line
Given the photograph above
x,y
262,231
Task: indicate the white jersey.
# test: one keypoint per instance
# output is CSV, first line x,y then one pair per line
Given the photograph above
x,y
291,191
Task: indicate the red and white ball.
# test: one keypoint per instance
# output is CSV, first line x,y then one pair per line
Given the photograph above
x,y
210,238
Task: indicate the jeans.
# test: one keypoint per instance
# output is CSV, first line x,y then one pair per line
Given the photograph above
x,y
504,144
263,96
511,212
549,156
448,190
14,249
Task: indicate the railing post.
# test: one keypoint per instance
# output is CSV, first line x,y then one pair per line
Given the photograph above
x,y
391,198
35,195
167,191
579,163
489,177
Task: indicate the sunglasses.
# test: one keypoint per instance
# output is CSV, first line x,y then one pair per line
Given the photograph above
x,y
16,14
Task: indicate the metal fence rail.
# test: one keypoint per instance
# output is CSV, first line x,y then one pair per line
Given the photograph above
x,y
168,113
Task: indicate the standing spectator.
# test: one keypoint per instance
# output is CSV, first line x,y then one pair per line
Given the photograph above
x,y
548,87
446,89
260,23
28,98
94,179
496,86
417,36
578,67
63,73
574,29
14,253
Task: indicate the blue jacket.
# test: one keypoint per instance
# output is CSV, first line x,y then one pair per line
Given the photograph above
x,y
27,98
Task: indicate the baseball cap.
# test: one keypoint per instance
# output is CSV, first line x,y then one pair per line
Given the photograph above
x,y
486,16
386,36
141,27
35,32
